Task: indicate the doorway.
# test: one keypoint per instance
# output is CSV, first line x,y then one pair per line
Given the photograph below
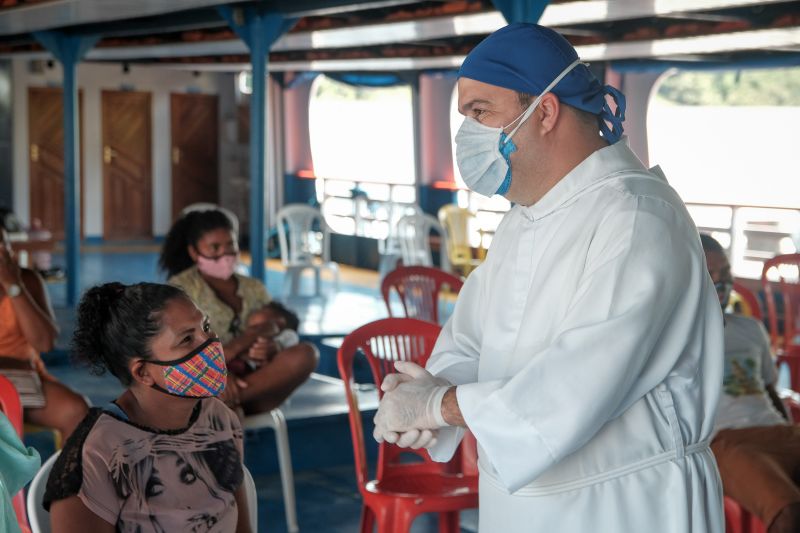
x,y
46,157
195,174
127,165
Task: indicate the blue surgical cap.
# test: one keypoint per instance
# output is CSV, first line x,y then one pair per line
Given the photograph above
x,y
527,58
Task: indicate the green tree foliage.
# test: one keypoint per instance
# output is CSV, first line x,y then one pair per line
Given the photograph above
x,y
752,87
330,89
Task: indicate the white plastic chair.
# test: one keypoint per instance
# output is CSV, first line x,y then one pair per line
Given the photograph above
x,y
389,249
303,247
413,233
277,422
252,498
39,519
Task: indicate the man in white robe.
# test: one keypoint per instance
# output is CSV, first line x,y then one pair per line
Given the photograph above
x,y
585,353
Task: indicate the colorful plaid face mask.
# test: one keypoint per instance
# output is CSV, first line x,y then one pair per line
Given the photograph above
x,y
200,374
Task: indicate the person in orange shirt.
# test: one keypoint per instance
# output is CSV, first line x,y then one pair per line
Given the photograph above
x,y
27,328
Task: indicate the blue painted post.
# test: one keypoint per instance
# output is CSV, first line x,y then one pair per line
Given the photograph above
x,y
258,29
69,50
259,49
521,10
72,188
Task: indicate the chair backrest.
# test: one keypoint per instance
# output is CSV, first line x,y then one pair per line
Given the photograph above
x,y
746,302
12,407
40,519
391,245
10,404
382,343
37,516
299,228
252,498
208,206
413,234
787,269
455,221
418,288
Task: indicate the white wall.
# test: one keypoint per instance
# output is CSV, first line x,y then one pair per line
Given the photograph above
x,y
92,79
637,87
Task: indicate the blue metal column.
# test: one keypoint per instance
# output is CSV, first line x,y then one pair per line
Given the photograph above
x,y
258,148
69,50
258,29
521,10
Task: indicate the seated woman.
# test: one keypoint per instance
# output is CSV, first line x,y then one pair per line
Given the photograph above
x,y
28,327
166,455
200,254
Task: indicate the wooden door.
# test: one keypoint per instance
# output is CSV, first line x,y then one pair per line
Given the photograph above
x,y
46,156
127,167
195,175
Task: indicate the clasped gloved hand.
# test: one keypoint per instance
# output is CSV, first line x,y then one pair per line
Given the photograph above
x,y
411,408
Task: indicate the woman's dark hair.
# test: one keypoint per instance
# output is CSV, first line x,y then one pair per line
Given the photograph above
x,y
187,230
291,318
116,323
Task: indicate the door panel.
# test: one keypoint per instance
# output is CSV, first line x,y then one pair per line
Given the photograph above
x,y
194,150
46,157
127,165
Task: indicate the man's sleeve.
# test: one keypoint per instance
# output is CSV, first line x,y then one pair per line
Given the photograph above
x,y
641,289
455,356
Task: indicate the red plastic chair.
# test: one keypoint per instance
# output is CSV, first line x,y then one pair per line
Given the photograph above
x,y
751,307
786,345
401,490
419,288
11,406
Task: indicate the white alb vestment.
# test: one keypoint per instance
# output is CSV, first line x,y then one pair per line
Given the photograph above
x,y
588,350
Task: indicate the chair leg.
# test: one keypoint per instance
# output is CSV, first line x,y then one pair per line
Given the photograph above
x,y
287,282
317,281
449,522
794,374
367,520
385,518
287,474
403,518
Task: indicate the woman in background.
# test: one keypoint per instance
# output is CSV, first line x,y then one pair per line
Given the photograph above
x,y
200,254
27,328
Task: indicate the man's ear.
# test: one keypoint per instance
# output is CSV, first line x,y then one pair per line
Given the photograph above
x,y
549,109
141,372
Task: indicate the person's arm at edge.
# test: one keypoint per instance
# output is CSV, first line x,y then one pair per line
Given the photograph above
x,y
71,515
776,401
34,312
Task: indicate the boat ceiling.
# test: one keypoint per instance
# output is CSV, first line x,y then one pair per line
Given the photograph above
x,y
391,35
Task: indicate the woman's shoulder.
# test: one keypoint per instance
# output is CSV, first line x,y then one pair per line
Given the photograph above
x,y
216,410
188,280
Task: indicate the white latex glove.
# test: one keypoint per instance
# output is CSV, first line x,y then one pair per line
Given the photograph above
x,y
412,401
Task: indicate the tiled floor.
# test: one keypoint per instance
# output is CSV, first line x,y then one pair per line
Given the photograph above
x,y
327,495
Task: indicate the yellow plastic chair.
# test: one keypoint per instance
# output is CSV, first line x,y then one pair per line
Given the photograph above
x,y
455,221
